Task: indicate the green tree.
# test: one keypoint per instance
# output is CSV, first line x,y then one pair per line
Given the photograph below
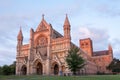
x,y
114,65
6,70
12,68
74,60
0,70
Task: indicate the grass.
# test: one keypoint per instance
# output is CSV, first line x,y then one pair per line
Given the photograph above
x,y
37,77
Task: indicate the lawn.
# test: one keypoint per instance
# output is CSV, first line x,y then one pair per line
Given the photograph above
x,y
36,77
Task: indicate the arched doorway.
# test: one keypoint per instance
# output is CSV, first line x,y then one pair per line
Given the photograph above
x,y
56,69
39,68
24,70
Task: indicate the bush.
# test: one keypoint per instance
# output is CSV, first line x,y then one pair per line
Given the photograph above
x,y
8,69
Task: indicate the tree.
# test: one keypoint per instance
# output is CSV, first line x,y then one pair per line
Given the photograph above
x,y
74,60
114,66
6,70
0,70
12,68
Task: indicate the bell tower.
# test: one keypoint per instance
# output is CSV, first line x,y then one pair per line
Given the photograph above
x,y
19,46
86,45
66,28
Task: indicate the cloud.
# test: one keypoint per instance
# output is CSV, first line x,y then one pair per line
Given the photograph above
x,y
7,55
116,47
99,37
110,9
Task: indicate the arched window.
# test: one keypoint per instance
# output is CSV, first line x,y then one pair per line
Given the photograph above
x,y
42,41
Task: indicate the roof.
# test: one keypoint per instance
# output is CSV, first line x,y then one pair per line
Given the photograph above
x,y
57,34
100,53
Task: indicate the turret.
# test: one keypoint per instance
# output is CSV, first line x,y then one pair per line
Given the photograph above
x,y
110,50
109,47
31,33
19,41
31,37
66,28
51,30
20,37
31,44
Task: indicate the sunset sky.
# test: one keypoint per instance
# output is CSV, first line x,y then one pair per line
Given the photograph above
x,y
97,19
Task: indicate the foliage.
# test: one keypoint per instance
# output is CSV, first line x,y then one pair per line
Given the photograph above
x,y
74,60
114,65
0,70
8,69
13,67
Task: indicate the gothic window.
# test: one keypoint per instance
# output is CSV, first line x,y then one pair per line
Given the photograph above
x,y
82,45
42,41
86,44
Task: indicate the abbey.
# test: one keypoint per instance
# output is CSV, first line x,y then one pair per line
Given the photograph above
x,y
47,49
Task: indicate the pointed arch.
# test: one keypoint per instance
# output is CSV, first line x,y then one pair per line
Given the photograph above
x,y
38,67
24,70
55,68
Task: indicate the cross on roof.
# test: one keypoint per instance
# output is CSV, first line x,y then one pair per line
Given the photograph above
x,y
43,16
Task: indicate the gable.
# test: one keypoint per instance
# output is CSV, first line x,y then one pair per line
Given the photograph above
x,y
42,26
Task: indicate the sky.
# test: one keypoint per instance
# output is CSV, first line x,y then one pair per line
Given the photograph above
x,y
95,19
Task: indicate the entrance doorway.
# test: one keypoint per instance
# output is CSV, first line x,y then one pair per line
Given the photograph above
x,y
56,69
39,69
24,70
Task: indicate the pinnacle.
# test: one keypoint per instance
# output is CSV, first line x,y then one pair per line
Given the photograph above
x,y
66,21
20,35
110,47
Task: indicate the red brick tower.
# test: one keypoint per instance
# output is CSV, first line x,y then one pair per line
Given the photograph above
x,y
86,45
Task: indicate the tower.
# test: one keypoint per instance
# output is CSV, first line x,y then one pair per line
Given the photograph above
x,y
86,45
19,41
66,28
31,44
19,46
31,37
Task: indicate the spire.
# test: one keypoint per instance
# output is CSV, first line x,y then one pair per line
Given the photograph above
x,y
31,30
31,33
67,28
20,35
66,23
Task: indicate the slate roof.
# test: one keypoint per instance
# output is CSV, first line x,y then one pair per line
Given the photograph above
x,y
100,53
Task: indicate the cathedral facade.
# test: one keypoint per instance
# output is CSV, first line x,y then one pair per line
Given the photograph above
x,y
47,49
